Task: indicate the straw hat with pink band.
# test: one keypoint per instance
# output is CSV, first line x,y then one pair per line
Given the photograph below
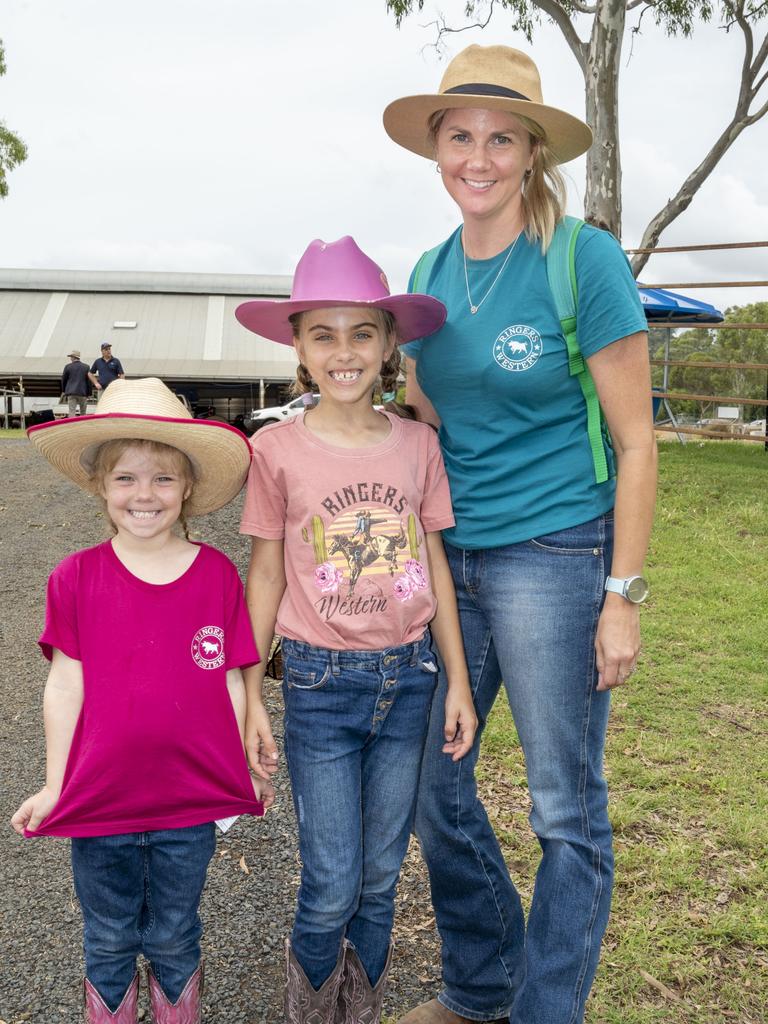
x,y
488,78
147,410
339,273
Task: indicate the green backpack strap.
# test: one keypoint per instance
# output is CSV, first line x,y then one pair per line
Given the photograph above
x,y
561,274
423,269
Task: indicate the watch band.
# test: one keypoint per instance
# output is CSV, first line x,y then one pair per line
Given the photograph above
x,y
632,588
617,584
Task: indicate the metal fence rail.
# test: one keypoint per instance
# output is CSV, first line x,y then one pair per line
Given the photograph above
x,y
668,395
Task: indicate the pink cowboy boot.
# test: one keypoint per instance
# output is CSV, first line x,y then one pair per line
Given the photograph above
x,y
188,1008
97,1011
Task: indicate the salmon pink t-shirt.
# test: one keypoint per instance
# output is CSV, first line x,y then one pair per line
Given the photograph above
x,y
157,744
353,521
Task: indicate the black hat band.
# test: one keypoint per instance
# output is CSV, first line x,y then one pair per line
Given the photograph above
x,y
483,89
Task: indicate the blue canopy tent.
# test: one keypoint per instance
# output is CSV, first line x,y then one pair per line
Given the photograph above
x,y
671,309
659,304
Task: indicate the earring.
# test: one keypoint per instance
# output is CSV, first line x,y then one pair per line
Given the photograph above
x,y
437,168
529,172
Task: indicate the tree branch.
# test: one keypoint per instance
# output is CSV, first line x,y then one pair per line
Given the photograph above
x,y
752,14
741,119
761,112
561,18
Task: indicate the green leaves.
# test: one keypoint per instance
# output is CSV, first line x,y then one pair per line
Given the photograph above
x,y
12,149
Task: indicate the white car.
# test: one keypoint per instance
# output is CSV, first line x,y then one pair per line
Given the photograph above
x,y
276,413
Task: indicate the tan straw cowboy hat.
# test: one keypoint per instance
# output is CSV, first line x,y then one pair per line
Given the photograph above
x,y
147,410
488,78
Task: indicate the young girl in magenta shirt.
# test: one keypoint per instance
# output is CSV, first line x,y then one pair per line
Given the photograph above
x,y
345,505
144,705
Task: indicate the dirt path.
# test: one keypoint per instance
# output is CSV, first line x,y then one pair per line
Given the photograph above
x,y
248,904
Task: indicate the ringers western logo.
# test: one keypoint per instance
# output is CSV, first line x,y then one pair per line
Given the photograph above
x,y
208,647
517,348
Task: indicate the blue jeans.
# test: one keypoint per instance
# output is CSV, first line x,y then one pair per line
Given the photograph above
x,y
140,893
529,614
355,726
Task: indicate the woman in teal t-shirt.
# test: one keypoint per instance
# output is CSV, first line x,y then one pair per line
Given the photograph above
x,y
539,537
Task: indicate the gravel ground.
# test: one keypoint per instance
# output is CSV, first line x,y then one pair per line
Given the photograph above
x,y
248,904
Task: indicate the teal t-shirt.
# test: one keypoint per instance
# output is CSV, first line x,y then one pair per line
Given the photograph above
x,y
514,422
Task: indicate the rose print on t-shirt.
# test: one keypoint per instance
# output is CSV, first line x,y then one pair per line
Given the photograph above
x,y
328,577
415,570
413,579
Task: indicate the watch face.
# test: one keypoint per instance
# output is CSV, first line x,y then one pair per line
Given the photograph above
x,y
637,590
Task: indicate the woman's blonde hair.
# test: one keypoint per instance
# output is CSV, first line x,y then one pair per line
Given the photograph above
x,y
544,191
175,461
390,368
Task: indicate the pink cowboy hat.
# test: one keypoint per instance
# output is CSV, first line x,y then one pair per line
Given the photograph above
x,y
340,274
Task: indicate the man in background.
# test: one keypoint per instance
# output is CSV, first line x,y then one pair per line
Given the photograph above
x,y
105,370
75,383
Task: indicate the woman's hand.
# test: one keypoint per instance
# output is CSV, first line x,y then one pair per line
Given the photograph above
x,y
617,643
460,722
260,746
34,810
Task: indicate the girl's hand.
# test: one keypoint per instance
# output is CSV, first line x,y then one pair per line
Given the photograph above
x,y
260,746
34,810
263,791
617,643
460,722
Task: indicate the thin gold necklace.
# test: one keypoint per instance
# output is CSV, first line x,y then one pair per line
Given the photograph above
x,y
472,307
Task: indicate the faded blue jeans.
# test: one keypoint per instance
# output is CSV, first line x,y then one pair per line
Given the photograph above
x,y
355,726
139,893
529,614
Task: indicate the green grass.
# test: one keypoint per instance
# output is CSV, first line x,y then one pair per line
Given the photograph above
x,y
687,760
13,432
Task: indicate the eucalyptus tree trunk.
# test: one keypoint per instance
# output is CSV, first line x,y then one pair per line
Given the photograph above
x,y
599,60
602,204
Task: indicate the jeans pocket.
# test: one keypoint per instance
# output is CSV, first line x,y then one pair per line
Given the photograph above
x,y
573,541
296,679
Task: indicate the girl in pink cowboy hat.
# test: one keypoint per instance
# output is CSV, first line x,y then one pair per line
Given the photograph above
x,y
345,505
147,634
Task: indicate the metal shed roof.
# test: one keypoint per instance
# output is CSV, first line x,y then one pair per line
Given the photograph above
x,y
185,327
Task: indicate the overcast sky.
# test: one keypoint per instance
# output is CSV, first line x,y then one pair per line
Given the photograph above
x,y
223,135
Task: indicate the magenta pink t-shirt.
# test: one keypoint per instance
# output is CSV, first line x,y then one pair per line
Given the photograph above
x,y
157,744
354,522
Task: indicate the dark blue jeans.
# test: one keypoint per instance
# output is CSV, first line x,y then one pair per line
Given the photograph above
x,y
529,614
355,725
140,893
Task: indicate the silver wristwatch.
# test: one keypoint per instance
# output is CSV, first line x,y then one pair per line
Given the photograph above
x,y
632,588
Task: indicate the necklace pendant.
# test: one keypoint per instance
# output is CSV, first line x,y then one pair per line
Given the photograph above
x,y
472,309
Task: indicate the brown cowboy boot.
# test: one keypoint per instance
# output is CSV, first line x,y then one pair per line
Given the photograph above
x,y
359,1001
303,1004
188,1008
97,1011
434,1012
